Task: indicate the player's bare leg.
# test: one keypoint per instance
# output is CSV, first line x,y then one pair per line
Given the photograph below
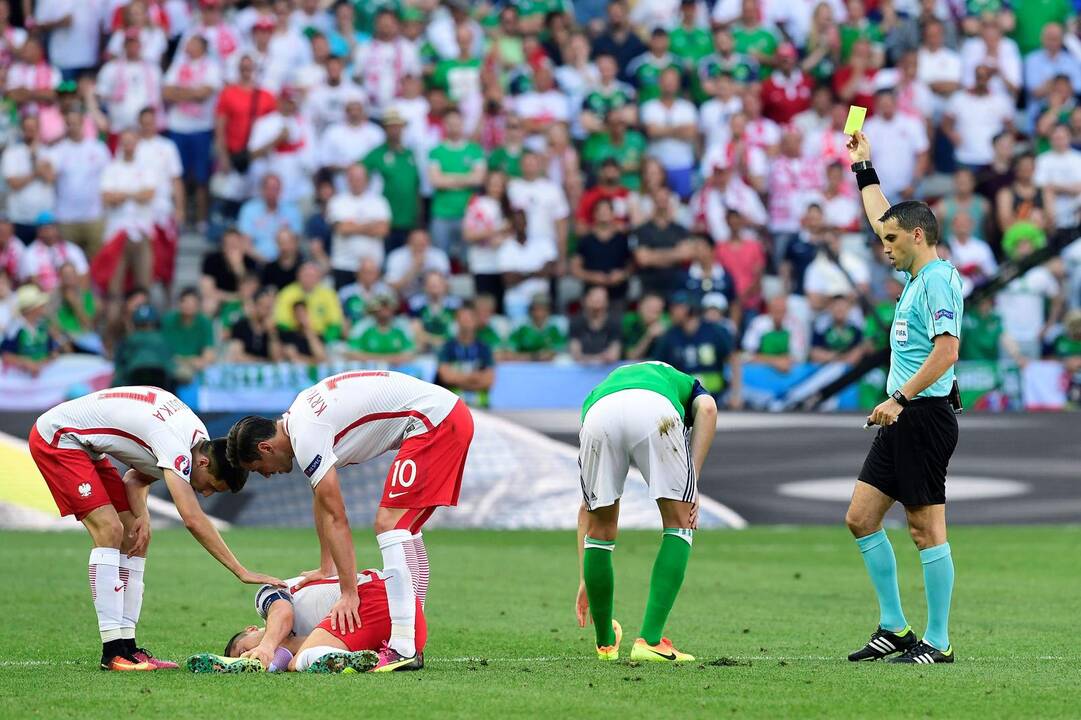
x,y
323,652
596,592
106,588
677,518
400,652
132,567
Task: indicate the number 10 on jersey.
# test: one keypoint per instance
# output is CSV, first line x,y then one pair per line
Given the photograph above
x,y
403,474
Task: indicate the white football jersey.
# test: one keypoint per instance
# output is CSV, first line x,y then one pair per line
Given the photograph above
x,y
311,603
354,416
146,428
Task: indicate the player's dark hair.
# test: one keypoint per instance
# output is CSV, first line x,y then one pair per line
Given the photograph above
x,y
912,214
245,436
229,473
232,642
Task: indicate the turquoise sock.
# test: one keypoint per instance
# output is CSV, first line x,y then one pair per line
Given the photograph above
x,y
938,582
882,567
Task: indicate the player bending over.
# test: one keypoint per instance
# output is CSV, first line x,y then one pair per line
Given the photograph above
x,y
640,412
351,418
157,436
298,619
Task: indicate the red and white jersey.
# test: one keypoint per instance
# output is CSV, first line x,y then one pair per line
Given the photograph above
x,y
311,603
355,416
146,428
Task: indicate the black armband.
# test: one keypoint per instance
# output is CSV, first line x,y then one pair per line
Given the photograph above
x,y
866,178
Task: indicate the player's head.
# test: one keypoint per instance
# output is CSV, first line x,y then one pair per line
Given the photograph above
x,y
256,444
908,229
212,472
244,641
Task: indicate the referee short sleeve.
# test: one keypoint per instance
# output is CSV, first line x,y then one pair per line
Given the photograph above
x,y
944,303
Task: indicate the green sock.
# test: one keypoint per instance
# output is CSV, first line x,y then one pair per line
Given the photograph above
x,y
600,586
666,580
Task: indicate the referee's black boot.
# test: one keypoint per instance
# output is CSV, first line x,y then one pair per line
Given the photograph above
x,y
923,653
884,643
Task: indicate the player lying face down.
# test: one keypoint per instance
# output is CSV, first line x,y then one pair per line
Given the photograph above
x,y
298,619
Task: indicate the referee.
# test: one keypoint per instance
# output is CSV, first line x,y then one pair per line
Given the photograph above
x,y
917,426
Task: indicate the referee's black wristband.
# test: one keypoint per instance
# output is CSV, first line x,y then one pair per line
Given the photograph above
x,y
866,178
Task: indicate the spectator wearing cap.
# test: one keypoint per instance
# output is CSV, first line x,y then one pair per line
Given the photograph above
x,y
32,81
43,258
283,142
128,84
609,187
190,334
671,124
221,37
325,103
433,312
349,142
776,338
836,338
619,39
1058,175
152,39
29,176
323,305
254,338
74,32
645,70
79,162
263,216
192,84
396,167
787,91
357,296
700,348
595,335
239,105
382,338
127,192
361,220
28,343
456,168
406,266
144,356
160,157
539,337
660,247
904,152
466,365
381,64
603,256
224,269
972,119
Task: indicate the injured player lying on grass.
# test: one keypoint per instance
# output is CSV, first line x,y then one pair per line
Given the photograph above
x,y
299,636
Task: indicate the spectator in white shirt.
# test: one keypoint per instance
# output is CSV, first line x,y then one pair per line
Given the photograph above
x,y
839,201
971,256
151,37
835,271
903,139
546,210
129,84
160,156
1058,175
543,105
972,119
999,53
407,265
671,125
282,142
32,81
29,177
938,66
191,90
382,64
348,142
1029,305
43,258
361,221
74,30
127,191
221,37
325,103
79,162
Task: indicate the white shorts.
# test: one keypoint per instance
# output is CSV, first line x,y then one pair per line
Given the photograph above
x,y
638,425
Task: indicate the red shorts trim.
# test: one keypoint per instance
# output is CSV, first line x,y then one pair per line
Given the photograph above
x,y
427,471
374,627
78,484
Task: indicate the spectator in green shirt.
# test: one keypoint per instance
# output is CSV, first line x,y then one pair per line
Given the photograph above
x,y
626,147
190,334
754,39
459,77
507,157
646,69
644,327
1067,346
456,169
540,337
491,327
28,343
840,341
608,98
382,337
876,328
76,313
1033,15
144,357
859,27
433,312
397,166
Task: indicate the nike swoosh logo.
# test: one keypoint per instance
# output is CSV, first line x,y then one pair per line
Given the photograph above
x,y
671,656
118,588
394,495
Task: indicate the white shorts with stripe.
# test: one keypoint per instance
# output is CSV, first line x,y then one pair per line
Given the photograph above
x,y
639,426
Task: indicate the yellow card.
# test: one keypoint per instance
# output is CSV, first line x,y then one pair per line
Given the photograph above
x,y
854,123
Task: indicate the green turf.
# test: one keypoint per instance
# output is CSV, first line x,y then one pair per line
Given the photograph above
x,y
770,613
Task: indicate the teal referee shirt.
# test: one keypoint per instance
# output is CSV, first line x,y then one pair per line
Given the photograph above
x,y
931,304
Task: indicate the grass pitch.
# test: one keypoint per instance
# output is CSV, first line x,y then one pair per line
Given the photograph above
x,y
769,612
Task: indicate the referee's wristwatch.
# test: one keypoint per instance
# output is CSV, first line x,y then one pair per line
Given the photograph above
x,y
900,398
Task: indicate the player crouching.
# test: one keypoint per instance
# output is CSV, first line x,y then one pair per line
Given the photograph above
x,y
157,436
299,634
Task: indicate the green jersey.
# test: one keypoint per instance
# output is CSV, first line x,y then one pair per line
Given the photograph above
x,y
187,340
982,335
931,305
506,160
680,388
375,340
66,318
528,338
1067,347
604,100
690,44
874,324
739,67
1033,15
459,78
490,337
364,12
629,154
865,30
645,70
401,183
454,159
756,39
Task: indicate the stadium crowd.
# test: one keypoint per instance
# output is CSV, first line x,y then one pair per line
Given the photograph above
x,y
526,180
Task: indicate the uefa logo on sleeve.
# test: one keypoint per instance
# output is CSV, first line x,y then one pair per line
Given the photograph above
x,y
182,465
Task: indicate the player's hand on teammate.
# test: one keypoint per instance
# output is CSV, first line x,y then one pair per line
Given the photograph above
x,y
253,578
140,536
313,576
345,614
886,413
263,654
859,149
581,605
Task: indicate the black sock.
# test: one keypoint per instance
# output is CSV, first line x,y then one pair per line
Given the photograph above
x,y
114,648
130,646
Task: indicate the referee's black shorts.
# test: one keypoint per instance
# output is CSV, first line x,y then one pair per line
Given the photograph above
x,y
908,459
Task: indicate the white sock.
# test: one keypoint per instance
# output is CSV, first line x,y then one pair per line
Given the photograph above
x,y
306,657
107,591
400,595
131,574
418,567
